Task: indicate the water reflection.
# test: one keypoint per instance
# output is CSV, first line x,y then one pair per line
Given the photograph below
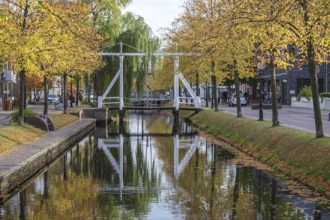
x,y
147,173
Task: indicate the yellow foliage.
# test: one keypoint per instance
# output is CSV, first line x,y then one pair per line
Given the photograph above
x,y
48,37
224,32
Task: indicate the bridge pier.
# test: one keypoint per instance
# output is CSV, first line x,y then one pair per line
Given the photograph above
x,y
176,121
121,121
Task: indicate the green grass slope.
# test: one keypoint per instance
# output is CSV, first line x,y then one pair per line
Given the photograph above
x,y
297,153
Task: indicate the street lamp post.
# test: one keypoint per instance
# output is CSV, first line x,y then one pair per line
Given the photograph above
x,y
261,114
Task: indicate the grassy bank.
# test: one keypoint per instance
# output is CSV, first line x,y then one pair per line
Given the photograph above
x,y
62,120
15,135
297,153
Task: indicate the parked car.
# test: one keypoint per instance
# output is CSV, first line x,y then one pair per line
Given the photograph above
x,y
232,100
52,98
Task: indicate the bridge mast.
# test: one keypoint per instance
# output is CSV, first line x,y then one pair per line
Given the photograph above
x,y
121,79
119,74
176,83
177,77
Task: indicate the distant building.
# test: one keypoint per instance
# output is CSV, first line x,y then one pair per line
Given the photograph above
x,y
289,82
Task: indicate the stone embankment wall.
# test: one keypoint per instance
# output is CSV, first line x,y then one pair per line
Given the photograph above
x,y
28,160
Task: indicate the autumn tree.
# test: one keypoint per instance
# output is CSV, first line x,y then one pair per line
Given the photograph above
x,y
47,38
35,85
21,19
206,29
303,23
269,39
78,44
310,23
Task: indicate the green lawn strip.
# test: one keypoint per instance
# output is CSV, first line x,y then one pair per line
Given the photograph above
x,y
62,120
15,135
297,153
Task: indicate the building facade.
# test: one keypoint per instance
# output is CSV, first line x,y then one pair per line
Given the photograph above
x,y
289,82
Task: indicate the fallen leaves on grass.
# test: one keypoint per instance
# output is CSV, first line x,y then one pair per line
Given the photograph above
x,y
16,135
62,120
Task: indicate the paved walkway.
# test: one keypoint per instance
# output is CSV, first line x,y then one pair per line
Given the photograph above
x,y
297,118
5,115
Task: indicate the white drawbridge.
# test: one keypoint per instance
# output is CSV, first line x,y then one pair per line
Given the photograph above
x,y
105,100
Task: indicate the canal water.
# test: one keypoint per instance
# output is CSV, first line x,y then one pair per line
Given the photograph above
x,y
148,173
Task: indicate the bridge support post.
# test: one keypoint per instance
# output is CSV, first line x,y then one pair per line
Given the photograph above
x,y
176,83
176,121
121,121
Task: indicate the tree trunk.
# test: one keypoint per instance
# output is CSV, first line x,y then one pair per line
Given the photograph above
x,y
315,93
214,92
31,98
206,95
212,95
212,183
275,119
197,84
238,95
46,95
313,74
235,193
25,92
77,91
87,86
21,97
65,97
71,93
98,83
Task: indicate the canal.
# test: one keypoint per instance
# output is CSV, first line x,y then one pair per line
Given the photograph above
x,y
148,173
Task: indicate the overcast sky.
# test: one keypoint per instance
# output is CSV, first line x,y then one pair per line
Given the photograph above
x,y
157,13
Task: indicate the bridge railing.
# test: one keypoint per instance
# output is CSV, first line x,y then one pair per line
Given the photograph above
x,y
149,102
114,102
132,102
111,100
190,100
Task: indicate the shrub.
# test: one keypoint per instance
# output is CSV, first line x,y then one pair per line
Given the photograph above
x,y
306,92
27,112
325,94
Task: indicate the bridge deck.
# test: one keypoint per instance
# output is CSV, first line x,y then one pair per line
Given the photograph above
x,y
152,134
145,108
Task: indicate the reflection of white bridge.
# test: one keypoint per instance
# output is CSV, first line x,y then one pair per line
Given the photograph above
x,y
117,142
106,145
179,166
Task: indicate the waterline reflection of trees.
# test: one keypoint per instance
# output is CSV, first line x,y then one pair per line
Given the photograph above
x,y
211,187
